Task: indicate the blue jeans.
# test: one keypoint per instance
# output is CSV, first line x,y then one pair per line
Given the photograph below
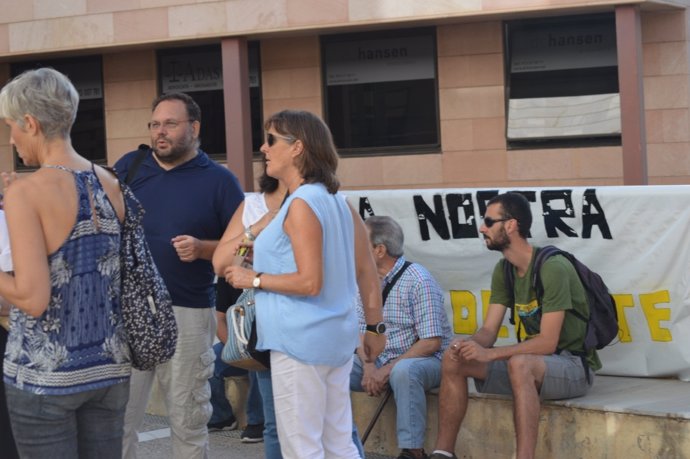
x,y
84,425
271,443
357,441
255,404
409,379
222,410
9,450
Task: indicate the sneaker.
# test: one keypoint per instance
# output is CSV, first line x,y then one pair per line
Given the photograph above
x,y
228,424
253,433
408,454
441,456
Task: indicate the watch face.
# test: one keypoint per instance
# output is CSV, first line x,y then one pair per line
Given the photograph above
x,y
256,282
379,328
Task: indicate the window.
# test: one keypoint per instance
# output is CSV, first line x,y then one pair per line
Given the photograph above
x,y
381,91
562,82
88,131
199,72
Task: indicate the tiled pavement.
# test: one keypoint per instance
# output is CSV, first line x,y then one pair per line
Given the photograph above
x,y
154,443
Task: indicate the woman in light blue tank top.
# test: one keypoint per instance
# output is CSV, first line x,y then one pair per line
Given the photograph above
x,y
308,264
257,211
67,365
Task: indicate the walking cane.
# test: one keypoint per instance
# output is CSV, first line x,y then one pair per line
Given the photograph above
x,y
379,409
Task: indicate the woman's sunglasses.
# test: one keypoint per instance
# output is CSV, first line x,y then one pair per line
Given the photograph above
x,y
271,139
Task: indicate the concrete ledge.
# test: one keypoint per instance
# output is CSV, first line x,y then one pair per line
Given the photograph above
x,y
621,418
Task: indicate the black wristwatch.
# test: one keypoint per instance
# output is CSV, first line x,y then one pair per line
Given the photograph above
x,y
377,329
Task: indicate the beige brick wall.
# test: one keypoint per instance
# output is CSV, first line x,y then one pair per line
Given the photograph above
x,y
666,72
291,74
470,77
47,25
472,114
129,80
472,105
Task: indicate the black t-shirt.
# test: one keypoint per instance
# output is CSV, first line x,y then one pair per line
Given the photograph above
x,y
226,295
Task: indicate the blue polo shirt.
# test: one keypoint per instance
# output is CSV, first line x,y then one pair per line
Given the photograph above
x,y
196,198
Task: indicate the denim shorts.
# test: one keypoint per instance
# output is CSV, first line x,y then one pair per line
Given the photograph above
x,y
565,378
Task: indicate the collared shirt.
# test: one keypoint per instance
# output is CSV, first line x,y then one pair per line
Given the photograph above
x,y
413,310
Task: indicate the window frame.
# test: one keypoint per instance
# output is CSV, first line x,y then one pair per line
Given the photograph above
x,y
595,140
353,152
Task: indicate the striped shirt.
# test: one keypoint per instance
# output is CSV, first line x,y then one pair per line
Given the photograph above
x,y
413,310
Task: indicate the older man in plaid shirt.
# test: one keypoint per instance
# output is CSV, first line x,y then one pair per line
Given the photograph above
x,y
417,330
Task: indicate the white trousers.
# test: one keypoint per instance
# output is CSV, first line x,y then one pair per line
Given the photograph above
x,y
183,381
313,409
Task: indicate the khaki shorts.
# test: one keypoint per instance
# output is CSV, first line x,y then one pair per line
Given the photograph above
x,y
565,378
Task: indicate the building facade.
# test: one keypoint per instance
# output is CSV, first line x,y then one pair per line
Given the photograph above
x,y
418,94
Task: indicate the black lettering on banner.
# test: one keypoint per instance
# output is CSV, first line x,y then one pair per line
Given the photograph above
x,y
556,207
436,217
590,219
553,218
484,196
365,209
465,230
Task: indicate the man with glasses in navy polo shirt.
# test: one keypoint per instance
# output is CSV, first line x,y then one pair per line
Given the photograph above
x,y
189,200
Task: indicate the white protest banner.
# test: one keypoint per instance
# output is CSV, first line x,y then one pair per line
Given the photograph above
x,y
634,237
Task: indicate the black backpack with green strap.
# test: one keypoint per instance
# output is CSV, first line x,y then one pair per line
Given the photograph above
x,y
602,323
